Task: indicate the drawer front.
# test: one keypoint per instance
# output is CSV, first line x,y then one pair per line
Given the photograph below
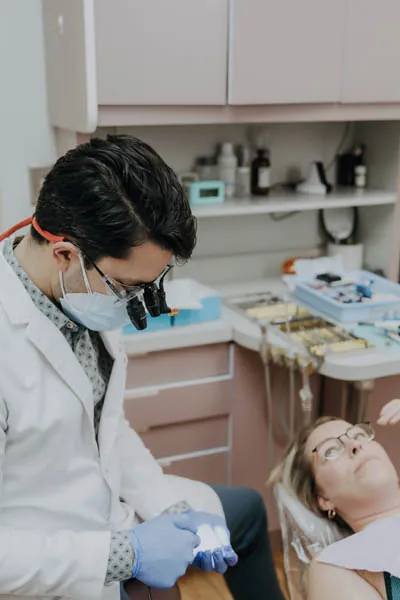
x,y
178,405
184,438
210,468
172,366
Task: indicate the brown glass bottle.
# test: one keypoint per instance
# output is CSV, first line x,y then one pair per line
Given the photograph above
x,y
261,173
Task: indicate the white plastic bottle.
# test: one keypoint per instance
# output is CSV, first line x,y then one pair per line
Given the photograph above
x,y
243,174
227,165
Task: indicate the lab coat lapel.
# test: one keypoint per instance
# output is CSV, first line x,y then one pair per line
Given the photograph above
x,y
43,334
113,402
52,344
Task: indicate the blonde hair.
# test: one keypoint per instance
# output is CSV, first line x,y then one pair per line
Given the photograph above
x,y
295,471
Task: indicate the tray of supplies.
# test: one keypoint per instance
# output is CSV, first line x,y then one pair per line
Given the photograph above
x,y
352,297
319,337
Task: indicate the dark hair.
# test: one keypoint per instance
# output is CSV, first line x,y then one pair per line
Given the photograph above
x,y
110,195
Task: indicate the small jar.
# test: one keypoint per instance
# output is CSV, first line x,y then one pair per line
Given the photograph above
x,y
243,187
206,168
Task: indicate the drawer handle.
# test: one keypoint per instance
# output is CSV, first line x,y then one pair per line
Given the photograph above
x,y
143,430
141,393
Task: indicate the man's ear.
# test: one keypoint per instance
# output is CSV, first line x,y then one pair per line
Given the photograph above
x,y
63,253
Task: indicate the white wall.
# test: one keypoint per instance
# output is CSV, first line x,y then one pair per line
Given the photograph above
x,y
251,247
292,145
26,138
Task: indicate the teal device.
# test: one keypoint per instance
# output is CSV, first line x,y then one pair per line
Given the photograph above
x,y
206,192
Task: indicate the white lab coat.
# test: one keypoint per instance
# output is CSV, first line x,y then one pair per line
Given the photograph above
x,y
60,492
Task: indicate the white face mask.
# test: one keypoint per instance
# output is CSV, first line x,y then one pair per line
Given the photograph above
x,y
97,312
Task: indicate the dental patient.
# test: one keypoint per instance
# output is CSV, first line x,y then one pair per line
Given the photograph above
x,y
338,470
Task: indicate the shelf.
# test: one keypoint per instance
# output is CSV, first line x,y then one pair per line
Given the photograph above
x,y
288,202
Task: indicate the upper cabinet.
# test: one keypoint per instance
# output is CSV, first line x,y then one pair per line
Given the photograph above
x,y
132,62
70,63
283,51
158,52
371,63
119,53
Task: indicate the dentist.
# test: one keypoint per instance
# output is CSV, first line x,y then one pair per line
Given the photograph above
x,y
84,506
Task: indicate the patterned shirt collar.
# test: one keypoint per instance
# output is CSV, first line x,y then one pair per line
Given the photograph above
x,y
40,300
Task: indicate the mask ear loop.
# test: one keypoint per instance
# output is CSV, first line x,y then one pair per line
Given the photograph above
x,y
61,278
85,277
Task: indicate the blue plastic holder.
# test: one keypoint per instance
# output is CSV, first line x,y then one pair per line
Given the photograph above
x,y
153,324
210,311
357,312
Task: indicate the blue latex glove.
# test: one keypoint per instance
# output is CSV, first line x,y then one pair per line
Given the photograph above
x,y
163,549
219,560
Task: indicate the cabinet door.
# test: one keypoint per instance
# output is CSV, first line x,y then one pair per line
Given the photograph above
x,y
153,52
68,30
372,52
285,51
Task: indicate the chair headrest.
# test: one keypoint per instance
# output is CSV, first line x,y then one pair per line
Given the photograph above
x,y
315,532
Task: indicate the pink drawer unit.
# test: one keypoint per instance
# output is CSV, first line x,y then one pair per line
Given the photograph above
x,y
145,409
209,468
173,366
184,438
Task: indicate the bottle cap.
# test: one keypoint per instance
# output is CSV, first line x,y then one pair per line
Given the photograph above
x,y
227,149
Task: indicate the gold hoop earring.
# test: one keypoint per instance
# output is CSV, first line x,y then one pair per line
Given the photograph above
x,y
331,514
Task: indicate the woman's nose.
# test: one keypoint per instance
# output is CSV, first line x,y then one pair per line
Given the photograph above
x,y
354,447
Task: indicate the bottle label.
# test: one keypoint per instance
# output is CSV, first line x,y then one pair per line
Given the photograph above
x,y
360,176
361,181
264,177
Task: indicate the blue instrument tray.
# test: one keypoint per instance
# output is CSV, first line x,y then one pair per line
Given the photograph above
x,y
209,307
153,324
357,312
210,304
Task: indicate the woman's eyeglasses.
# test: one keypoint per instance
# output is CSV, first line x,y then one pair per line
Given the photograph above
x,y
332,448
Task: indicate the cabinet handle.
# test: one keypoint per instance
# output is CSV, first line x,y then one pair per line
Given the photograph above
x,y
143,430
141,393
164,464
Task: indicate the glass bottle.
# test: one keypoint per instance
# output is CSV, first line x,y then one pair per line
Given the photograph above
x,y
261,173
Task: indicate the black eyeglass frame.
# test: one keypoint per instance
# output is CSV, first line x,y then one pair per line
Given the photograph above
x,y
345,434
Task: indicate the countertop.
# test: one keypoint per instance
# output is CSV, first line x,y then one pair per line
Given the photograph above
x,y
382,361
213,332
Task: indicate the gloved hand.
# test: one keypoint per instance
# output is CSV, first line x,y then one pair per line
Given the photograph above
x,y
220,558
163,549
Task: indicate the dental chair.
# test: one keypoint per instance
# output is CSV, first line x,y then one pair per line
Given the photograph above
x,y
304,535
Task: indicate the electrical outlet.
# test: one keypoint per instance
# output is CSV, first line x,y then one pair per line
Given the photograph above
x,y
37,175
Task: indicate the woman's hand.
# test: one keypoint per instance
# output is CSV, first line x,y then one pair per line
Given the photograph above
x,y
390,413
